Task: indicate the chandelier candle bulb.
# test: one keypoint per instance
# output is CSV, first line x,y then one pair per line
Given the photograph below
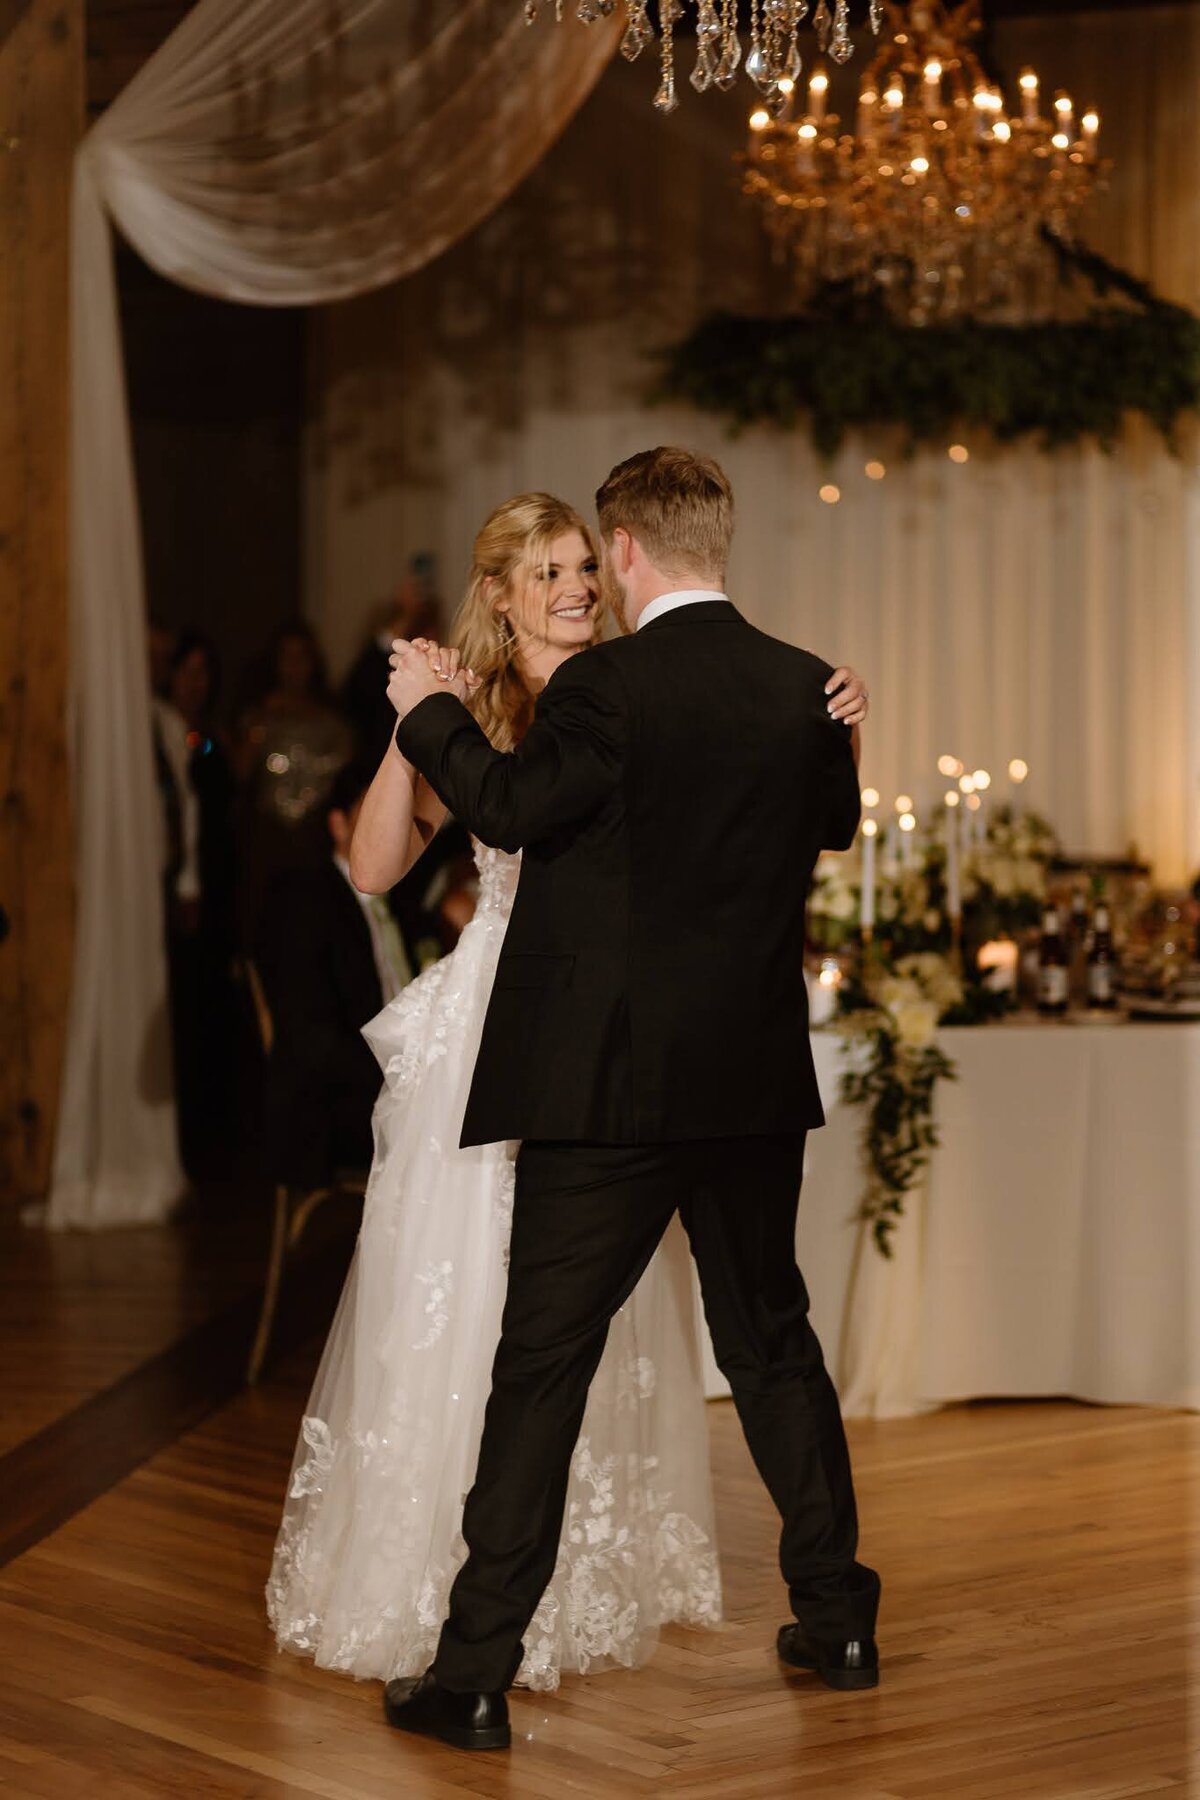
x,y
1064,113
933,86
866,910
1029,97
1090,126
867,101
818,88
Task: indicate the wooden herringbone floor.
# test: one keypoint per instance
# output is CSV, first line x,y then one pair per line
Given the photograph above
x,y
1036,1637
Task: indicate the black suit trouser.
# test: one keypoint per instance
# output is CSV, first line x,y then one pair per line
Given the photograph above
x,y
586,1221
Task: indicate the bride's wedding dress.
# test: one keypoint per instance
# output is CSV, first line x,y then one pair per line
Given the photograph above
x,y
370,1539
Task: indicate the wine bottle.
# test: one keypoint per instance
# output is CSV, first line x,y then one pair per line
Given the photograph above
x,y
1054,961
1102,965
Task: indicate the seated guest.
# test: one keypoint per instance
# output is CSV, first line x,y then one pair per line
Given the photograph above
x,y
291,742
330,958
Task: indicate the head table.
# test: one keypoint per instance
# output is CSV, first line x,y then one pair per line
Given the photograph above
x,y
1054,1245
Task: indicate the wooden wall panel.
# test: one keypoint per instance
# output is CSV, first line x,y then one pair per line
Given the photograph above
x,y
41,115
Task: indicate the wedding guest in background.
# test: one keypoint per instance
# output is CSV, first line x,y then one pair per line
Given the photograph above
x,y
330,958
205,1015
160,647
412,611
291,743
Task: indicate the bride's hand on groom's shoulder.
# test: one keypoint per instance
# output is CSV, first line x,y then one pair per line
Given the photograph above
x,y
422,669
849,700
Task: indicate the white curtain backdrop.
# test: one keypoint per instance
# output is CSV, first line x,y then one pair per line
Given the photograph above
x,y
1016,606
273,151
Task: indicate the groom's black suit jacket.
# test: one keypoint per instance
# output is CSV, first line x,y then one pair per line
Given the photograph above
x,y
671,798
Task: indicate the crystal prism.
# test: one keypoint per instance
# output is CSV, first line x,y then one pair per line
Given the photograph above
x,y
665,100
702,75
727,68
823,24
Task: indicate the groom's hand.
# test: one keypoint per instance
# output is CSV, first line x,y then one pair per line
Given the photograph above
x,y
421,669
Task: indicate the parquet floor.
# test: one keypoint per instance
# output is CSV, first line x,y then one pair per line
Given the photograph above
x,y
1039,1614
79,1310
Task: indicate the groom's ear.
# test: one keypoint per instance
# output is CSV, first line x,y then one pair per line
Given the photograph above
x,y
620,550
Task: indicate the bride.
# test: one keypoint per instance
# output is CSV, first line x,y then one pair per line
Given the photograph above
x,y
370,1539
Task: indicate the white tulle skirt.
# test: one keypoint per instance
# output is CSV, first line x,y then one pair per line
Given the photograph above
x,y
371,1533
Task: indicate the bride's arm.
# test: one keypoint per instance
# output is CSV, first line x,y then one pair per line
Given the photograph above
x,y
399,816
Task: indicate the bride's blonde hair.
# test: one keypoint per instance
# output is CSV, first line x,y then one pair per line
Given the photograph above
x,y
513,544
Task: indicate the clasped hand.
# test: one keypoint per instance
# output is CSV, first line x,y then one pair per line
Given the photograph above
x,y
423,668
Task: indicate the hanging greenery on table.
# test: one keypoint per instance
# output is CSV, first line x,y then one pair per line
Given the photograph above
x,y
888,1028
846,363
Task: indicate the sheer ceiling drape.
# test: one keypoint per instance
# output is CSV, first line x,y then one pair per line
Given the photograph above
x,y
273,152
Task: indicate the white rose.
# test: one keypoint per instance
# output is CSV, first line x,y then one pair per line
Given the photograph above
x,y
841,903
897,991
916,1022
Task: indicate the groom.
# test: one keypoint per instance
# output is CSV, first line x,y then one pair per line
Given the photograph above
x,y
647,1041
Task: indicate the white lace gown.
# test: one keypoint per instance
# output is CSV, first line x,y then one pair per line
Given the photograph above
x,y
371,1533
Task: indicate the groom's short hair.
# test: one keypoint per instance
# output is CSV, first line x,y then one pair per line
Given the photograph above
x,y
679,506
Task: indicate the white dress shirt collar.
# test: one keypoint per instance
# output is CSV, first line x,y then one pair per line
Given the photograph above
x,y
668,602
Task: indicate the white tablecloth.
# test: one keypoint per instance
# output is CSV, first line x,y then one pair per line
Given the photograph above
x,y
1055,1248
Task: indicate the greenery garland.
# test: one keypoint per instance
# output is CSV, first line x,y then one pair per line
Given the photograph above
x,y
845,363
897,1087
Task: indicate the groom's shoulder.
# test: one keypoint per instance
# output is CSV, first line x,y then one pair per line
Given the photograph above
x,y
798,665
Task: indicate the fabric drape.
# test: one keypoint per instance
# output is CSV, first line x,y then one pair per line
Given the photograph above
x,y
274,152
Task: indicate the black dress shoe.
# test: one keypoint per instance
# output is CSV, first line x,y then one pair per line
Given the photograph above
x,y
853,1664
468,1721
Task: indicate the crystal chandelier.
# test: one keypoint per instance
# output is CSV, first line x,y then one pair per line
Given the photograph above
x,y
773,59
939,200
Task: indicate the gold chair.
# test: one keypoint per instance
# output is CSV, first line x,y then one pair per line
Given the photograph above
x,y
292,1210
